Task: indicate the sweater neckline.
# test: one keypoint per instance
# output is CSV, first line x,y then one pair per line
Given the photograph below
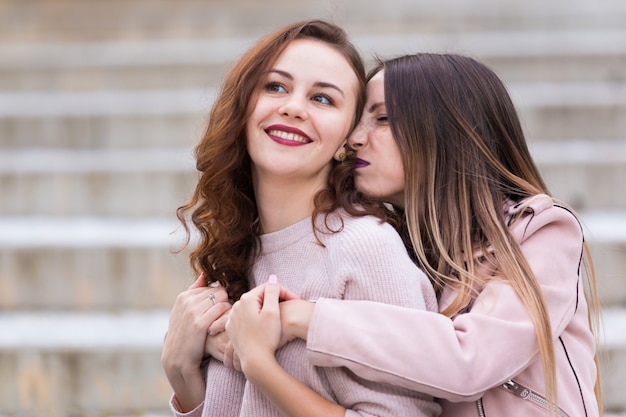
x,y
280,239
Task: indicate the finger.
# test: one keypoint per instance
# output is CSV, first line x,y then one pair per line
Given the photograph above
x,y
286,294
272,293
236,362
209,294
254,295
220,293
219,325
199,282
214,313
214,346
229,354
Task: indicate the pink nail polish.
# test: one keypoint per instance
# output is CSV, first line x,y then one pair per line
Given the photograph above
x,y
273,279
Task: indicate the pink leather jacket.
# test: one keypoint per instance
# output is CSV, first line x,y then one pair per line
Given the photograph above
x,y
484,362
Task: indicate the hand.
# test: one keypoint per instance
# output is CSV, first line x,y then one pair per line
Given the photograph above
x,y
217,340
183,349
191,316
254,324
295,316
231,360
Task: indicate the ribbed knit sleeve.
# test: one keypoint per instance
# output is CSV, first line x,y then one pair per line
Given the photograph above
x,y
371,263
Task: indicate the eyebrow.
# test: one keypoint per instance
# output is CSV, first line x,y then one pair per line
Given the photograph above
x,y
373,107
319,84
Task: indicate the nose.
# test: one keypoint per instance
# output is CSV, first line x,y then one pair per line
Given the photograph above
x,y
358,137
294,106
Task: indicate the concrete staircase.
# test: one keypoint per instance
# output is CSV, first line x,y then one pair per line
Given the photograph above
x,y
101,104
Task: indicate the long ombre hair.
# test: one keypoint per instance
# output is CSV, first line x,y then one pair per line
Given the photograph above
x,y
465,157
222,208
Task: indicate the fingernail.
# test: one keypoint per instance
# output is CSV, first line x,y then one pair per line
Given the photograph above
x,y
273,279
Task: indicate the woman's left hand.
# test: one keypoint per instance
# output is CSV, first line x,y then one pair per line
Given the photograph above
x,y
254,326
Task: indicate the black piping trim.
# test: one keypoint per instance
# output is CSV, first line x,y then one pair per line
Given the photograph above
x,y
575,375
582,248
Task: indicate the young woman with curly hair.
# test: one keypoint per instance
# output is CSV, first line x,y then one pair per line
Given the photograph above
x,y
271,201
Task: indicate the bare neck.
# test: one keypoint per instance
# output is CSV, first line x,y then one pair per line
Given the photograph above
x,y
282,203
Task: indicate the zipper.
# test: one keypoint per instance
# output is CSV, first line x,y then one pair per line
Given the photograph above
x,y
527,394
480,407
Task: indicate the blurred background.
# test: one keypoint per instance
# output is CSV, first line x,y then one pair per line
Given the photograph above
x,y
101,103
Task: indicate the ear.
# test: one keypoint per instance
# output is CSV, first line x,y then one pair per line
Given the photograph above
x,y
340,155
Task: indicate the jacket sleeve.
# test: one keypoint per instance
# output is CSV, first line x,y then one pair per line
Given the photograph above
x,y
456,359
375,266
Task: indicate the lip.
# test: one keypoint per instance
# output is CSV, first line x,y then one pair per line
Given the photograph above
x,y
287,135
360,163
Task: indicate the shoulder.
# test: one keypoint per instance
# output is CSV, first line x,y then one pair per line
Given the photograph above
x,y
371,262
367,242
362,229
542,212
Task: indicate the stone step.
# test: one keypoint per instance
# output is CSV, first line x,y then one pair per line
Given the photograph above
x,y
606,235
113,119
144,19
154,182
612,355
91,263
585,174
103,119
96,363
174,118
520,56
82,364
538,55
127,183
98,263
555,111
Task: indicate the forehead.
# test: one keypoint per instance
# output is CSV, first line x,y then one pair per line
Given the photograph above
x,y
376,88
315,59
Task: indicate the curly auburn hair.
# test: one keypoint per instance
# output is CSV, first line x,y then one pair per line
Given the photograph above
x,y
222,208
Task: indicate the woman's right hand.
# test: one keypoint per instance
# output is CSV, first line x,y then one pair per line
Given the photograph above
x,y
184,347
217,340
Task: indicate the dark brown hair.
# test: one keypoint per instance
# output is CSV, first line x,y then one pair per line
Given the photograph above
x,y
222,208
465,156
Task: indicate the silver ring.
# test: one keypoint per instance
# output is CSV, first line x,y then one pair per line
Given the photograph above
x,y
212,298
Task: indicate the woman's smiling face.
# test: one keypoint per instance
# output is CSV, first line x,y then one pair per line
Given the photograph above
x,y
303,111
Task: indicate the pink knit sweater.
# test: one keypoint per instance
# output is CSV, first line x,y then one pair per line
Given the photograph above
x,y
366,260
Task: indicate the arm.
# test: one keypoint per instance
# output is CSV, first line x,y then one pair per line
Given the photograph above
x,y
183,348
496,336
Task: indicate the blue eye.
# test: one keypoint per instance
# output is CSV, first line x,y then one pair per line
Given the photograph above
x,y
275,87
323,99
